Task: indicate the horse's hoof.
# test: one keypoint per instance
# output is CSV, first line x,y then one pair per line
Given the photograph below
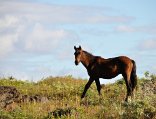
x,y
128,100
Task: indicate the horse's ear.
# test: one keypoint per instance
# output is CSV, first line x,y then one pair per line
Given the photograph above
x,y
80,47
75,47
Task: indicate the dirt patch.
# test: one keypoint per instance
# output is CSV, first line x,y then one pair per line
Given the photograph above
x,y
8,95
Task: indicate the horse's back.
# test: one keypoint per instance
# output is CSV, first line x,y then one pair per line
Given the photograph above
x,y
114,60
124,60
111,67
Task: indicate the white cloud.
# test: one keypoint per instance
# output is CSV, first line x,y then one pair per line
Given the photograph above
x,y
24,36
149,29
60,14
8,21
25,25
123,28
149,44
7,44
41,39
11,28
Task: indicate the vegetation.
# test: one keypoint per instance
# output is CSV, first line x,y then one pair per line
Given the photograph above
x,y
64,100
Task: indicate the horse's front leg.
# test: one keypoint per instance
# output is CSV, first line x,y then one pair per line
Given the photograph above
x,y
86,87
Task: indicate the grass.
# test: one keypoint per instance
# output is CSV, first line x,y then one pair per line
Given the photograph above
x,y
64,93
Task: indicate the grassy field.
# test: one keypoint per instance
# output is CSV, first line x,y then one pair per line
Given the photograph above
x,y
64,99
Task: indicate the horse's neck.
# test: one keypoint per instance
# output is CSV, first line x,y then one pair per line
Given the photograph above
x,y
87,59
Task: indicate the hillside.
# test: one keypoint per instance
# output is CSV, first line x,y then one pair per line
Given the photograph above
x,y
59,97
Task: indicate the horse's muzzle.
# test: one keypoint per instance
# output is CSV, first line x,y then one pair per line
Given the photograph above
x,y
76,63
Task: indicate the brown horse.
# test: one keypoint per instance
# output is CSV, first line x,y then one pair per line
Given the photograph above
x,y
99,67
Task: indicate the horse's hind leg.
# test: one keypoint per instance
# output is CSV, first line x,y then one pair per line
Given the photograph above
x,y
98,85
134,82
128,85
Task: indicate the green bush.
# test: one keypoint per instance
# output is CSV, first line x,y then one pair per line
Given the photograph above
x,y
65,92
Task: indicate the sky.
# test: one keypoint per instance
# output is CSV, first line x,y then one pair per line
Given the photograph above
x,y
37,38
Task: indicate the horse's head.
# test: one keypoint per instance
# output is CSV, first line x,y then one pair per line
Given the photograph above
x,y
78,53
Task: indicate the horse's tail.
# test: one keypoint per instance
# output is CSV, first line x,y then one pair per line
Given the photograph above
x,y
134,76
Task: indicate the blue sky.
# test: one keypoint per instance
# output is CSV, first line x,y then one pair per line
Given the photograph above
x,y
37,37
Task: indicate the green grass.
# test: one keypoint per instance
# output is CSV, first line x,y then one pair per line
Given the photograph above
x,y
65,92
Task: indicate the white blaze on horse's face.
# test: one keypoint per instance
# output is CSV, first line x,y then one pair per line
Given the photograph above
x,y
77,54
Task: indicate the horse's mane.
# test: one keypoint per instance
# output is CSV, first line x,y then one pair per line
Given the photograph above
x,y
88,54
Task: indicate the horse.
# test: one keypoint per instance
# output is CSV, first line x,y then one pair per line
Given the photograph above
x,y
98,67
